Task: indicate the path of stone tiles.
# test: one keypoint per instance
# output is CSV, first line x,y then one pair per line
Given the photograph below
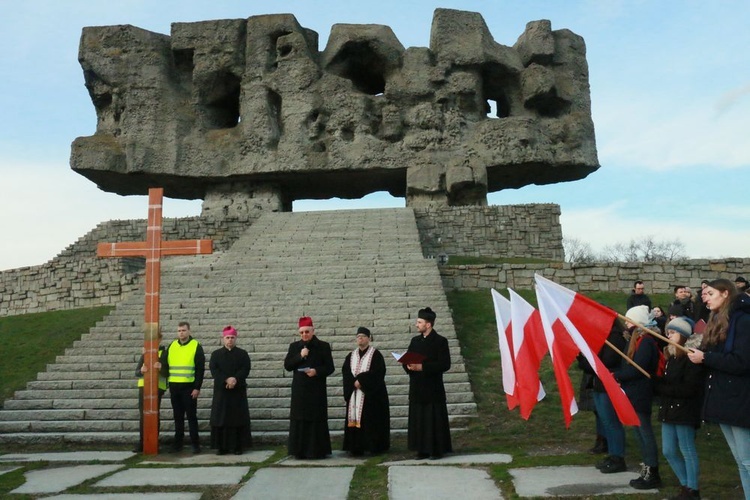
x,y
571,481
292,479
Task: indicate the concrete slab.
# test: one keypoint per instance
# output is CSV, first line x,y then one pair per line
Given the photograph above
x,y
578,481
211,458
167,476
68,456
129,496
298,484
337,459
57,479
440,483
481,458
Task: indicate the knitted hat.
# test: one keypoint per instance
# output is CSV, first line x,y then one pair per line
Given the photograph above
x,y
305,321
639,314
681,325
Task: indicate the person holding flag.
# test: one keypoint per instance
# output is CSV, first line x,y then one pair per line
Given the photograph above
x,y
644,351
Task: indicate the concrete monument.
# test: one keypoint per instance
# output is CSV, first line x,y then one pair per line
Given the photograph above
x,y
248,114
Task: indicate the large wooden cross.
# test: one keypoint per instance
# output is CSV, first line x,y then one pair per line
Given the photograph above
x,y
152,249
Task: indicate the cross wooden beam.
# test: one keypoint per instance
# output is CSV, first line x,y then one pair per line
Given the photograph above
x,y
153,249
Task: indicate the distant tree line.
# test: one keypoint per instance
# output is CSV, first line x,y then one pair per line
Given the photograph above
x,y
647,249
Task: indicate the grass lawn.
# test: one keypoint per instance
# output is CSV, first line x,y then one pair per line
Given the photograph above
x,y
31,341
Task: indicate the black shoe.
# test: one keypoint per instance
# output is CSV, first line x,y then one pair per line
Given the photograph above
x,y
614,464
196,449
238,452
436,457
221,452
138,449
648,480
421,456
176,448
603,462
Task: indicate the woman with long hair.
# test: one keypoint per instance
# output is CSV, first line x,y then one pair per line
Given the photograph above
x,y
681,395
644,352
725,352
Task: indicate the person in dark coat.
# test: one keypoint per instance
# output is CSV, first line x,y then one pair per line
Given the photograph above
x,y
725,353
644,352
368,416
681,394
428,429
230,415
311,361
637,297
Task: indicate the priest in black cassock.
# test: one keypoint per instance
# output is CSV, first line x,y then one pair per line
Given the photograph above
x,y
429,433
368,416
230,415
311,361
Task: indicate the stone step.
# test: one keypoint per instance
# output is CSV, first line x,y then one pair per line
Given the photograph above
x,y
346,269
127,420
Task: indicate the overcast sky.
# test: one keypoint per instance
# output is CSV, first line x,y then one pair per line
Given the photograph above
x,y
670,90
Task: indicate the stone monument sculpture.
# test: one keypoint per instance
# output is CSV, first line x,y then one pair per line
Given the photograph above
x,y
248,114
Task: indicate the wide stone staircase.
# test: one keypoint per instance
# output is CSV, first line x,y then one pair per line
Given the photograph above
x,y
344,268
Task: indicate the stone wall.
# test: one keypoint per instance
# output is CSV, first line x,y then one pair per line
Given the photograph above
x,y
618,277
531,231
76,278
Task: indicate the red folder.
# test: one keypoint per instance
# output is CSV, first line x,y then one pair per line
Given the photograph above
x,y
409,357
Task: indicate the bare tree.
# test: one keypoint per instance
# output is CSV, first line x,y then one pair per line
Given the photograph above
x,y
646,249
578,251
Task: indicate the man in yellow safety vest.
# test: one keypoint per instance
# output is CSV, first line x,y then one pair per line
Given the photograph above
x,y
186,364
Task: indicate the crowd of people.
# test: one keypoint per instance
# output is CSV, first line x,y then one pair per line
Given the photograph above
x,y
690,377
181,370
657,357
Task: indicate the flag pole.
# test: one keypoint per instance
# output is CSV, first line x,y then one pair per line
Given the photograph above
x,y
657,335
625,356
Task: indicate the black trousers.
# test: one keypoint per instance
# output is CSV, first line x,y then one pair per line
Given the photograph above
x,y
183,404
140,414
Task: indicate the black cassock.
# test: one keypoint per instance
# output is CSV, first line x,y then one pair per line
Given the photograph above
x,y
429,431
308,416
230,415
374,433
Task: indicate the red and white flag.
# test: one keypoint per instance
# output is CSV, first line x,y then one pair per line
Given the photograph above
x,y
522,346
574,323
505,342
529,349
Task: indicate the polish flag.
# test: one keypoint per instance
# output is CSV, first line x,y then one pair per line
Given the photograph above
x,y
505,341
529,349
574,323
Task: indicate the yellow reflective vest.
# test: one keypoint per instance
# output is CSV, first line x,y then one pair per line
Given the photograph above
x,y
181,359
162,378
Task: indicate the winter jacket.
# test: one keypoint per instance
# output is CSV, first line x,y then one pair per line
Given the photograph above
x,y
727,391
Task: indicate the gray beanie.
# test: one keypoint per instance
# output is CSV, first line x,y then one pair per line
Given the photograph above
x,y
681,325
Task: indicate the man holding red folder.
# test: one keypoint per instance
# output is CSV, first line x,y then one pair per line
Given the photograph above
x,y
429,431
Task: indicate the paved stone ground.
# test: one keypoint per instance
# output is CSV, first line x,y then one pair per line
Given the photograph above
x,y
455,476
